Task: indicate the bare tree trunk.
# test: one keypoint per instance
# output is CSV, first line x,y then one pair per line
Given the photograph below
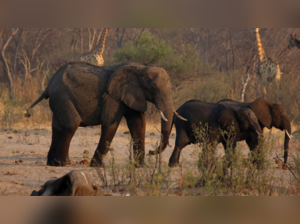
x,y
81,41
232,50
7,68
92,38
1,40
17,51
99,36
120,39
38,42
244,86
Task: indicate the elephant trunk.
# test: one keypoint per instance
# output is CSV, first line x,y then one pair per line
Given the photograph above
x,y
287,138
166,113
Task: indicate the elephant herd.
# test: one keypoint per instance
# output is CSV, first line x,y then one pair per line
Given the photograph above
x,y
82,94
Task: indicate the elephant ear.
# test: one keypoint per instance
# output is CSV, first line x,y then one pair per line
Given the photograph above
x,y
262,111
227,117
124,85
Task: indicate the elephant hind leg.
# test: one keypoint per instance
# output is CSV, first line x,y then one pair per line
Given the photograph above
x,y
62,156
65,122
137,126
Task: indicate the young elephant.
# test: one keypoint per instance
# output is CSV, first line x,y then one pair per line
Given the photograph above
x,y
218,117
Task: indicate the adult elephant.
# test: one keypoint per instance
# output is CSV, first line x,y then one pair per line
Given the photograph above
x,y
269,114
218,118
81,94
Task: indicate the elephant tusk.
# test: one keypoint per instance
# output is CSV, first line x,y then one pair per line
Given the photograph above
x,y
257,132
288,134
84,178
162,116
177,115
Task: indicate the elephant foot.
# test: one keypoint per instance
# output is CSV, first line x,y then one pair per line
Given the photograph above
x,y
152,153
139,165
95,163
173,165
56,162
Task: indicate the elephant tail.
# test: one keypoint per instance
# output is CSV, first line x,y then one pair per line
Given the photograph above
x,y
43,96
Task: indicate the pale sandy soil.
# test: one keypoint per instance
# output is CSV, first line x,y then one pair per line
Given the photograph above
x,y
21,179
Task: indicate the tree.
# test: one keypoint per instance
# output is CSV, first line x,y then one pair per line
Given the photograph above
x,y
146,49
13,31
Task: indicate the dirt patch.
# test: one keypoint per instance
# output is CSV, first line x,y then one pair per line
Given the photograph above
x,y
23,165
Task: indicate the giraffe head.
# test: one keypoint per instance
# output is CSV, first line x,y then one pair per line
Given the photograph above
x,y
293,41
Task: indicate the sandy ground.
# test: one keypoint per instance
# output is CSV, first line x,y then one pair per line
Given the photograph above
x,y
31,172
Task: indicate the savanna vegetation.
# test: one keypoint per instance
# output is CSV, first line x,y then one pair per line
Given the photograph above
x,y
203,63
207,64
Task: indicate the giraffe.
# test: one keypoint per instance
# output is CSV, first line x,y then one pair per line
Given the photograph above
x,y
95,55
265,69
294,41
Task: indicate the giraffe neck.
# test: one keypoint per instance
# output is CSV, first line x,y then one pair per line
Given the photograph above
x,y
102,42
260,49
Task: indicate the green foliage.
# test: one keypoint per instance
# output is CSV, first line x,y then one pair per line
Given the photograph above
x,y
147,49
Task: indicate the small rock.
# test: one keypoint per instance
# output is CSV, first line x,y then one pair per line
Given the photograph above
x,y
15,131
21,161
17,162
10,137
86,152
84,162
27,134
31,143
126,132
152,134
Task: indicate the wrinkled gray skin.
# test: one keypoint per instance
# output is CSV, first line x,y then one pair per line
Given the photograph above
x,y
217,117
81,94
74,183
269,114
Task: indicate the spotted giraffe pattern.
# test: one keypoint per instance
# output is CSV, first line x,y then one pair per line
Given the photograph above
x,y
95,55
265,68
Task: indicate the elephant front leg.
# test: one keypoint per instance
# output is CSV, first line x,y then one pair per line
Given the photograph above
x,y
174,159
256,146
107,134
137,126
